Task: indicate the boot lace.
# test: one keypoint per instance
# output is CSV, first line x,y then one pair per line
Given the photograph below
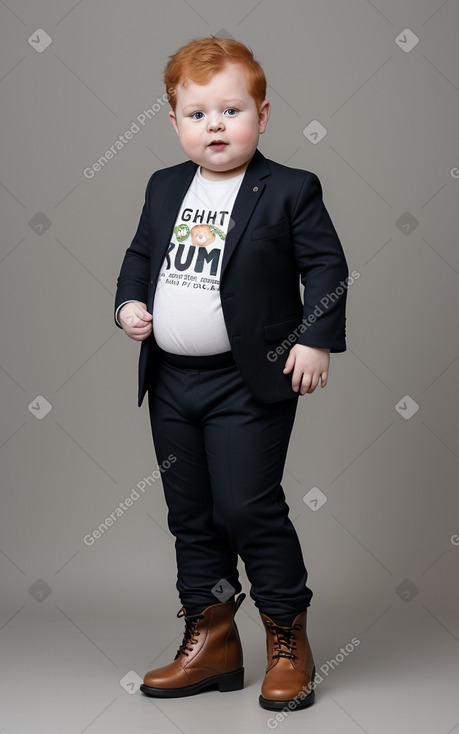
x,y
284,642
190,635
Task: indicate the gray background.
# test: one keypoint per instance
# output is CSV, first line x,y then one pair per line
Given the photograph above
x,y
382,550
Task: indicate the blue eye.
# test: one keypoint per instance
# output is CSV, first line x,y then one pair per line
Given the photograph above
x,y
231,111
197,115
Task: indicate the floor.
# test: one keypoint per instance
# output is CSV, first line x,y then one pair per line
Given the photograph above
x,y
397,673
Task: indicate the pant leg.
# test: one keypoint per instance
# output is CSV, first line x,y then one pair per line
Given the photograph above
x,y
246,444
203,552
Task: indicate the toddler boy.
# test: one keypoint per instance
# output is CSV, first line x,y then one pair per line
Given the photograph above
x,y
211,287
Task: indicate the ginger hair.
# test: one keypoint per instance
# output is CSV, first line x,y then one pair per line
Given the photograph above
x,y
200,59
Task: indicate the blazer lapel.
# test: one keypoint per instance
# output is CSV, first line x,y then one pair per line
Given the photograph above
x,y
174,195
248,196
252,187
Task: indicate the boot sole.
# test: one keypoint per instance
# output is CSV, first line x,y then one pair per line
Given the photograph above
x,y
226,682
273,705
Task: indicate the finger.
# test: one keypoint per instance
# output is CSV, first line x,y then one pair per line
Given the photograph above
x,y
140,337
296,380
302,382
305,385
145,318
133,321
138,320
290,363
131,318
314,381
324,378
142,329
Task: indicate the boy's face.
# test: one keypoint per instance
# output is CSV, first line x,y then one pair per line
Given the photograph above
x,y
218,123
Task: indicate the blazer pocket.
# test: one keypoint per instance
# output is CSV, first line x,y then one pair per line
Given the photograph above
x,y
268,232
283,329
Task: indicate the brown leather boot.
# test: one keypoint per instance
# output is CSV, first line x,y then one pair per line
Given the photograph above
x,y
210,655
290,671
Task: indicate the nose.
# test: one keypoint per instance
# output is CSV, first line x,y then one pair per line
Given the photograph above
x,y
215,122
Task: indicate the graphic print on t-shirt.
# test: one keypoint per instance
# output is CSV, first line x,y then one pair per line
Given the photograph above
x,y
195,253
187,311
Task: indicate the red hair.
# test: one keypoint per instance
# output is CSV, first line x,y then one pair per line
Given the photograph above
x,y
200,59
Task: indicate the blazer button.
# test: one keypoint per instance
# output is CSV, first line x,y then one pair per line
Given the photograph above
x,y
255,188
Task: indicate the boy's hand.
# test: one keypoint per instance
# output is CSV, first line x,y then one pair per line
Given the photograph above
x,y
136,321
309,365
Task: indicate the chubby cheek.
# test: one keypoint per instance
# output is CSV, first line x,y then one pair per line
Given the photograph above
x,y
190,140
245,137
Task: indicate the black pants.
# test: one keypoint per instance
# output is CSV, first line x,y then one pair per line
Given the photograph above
x,y
223,492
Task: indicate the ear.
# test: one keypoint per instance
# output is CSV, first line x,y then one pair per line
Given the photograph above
x,y
263,115
173,120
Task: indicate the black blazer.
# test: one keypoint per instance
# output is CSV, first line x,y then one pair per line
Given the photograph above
x,y
280,232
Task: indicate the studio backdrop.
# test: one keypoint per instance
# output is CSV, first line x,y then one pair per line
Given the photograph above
x,y
366,95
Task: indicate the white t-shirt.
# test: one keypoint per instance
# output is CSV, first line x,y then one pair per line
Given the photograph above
x,y
187,312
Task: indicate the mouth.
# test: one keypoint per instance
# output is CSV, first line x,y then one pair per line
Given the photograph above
x,y
217,145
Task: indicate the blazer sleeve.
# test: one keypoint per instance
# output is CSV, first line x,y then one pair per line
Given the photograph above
x,y
132,283
323,269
